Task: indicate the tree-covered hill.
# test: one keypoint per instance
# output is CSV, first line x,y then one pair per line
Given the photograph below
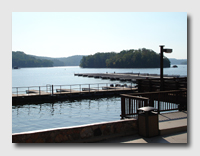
x,y
21,59
141,58
63,61
71,60
97,60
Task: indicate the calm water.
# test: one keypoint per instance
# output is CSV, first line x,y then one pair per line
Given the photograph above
x,y
69,113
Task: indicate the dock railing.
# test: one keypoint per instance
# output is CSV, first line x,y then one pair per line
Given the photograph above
x,y
149,84
32,90
63,89
161,100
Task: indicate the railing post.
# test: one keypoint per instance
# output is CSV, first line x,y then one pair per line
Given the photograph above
x,y
122,107
159,107
151,102
130,106
139,85
39,90
89,88
52,89
150,85
17,91
145,102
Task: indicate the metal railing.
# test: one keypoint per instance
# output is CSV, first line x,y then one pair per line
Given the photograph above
x,y
162,101
32,90
63,89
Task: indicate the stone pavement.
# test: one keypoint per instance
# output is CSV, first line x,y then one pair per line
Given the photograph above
x,y
172,126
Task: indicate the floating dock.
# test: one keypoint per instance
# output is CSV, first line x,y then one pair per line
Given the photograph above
x,y
130,77
65,92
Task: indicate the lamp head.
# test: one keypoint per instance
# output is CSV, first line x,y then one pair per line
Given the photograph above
x,y
167,50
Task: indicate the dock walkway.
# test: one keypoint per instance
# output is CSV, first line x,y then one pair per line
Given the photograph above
x,y
131,77
172,126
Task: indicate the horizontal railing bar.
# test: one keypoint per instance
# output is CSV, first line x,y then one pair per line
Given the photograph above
x,y
135,97
158,92
163,101
71,85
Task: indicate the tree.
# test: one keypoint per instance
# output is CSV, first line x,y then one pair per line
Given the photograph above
x,y
141,58
20,59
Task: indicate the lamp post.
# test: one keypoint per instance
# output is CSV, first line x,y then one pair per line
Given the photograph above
x,y
161,64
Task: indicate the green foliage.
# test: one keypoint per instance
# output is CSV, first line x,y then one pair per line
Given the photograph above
x,y
20,59
97,60
141,58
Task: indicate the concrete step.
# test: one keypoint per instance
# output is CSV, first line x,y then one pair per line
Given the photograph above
x,y
173,126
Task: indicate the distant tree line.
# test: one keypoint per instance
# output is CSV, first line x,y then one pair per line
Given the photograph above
x,y
63,61
21,59
141,58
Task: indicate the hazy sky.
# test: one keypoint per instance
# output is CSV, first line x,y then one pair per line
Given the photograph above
x,y
63,34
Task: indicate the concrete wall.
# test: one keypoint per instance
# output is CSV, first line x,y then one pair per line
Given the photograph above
x,y
86,133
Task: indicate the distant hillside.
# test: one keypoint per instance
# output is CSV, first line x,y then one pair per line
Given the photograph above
x,y
71,60
178,61
20,59
63,61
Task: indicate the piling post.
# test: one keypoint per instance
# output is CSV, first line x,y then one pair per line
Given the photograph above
x,y
52,90
39,90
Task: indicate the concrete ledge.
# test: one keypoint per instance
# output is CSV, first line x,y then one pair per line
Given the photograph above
x,y
79,134
173,130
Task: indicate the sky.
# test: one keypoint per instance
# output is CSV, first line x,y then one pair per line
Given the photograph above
x,y
63,34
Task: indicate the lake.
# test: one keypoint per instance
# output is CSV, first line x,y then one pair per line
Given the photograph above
x,y
32,117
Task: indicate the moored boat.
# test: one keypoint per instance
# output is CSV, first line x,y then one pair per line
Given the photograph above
x,y
175,66
16,67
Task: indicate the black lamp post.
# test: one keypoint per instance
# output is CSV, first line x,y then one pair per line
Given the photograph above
x,y
161,64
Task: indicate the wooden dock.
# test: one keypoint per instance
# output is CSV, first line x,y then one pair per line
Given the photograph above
x,y
131,77
68,92
57,92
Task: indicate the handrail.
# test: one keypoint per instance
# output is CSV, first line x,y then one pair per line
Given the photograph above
x,y
161,100
52,89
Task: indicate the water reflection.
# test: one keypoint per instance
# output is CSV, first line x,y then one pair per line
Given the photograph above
x,y
64,113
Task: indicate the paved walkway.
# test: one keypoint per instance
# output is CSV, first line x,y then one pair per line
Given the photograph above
x,y
180,137
173,129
